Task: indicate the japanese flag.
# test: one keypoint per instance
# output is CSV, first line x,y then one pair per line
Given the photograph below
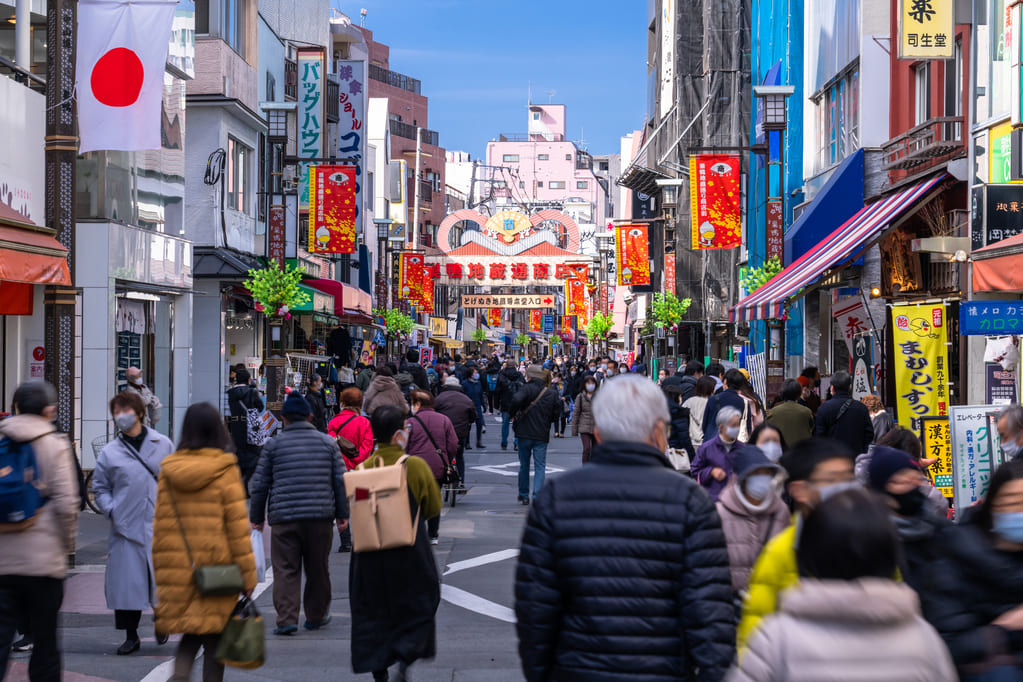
x,y
122,50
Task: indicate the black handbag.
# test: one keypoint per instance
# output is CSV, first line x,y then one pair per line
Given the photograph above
x,y
450,471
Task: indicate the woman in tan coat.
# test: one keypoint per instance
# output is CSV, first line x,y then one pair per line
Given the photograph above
x,y
202,482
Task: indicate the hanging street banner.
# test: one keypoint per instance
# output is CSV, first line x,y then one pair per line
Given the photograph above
x,y
926,29
936,436
776,230
851,317
548,324
575,296
567,323
426,301
715,200
669,276
332,209
311,108
499,301
632,247
351,133
862,366
493,316
276,235
535,321
990,318
921,363
410,277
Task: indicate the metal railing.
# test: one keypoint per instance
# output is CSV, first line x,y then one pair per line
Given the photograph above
x,y
290,80
395,79
23,75
931,139
408,131
531,137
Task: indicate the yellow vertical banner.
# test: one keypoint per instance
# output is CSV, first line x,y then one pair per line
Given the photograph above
x,y
920,362
927,29
936,434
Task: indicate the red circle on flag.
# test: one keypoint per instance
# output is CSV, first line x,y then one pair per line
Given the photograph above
x,y
117,78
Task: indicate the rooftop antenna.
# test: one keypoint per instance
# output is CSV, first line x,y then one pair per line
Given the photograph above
x,y
550,95
362,13
582,138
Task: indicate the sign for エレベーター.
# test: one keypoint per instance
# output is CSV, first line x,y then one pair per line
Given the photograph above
x,y
921,362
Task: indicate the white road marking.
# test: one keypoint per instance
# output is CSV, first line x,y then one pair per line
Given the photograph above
x,y
481,560
511,469
472,602
163,672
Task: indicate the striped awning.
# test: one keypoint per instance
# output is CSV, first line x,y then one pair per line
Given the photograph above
x,y
840,246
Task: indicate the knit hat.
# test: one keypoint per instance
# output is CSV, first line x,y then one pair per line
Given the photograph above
x,y
885,462
750,458
535,372
804,381
452,381
744,372
296,406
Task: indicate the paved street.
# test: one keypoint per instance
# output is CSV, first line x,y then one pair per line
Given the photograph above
x,y
476,635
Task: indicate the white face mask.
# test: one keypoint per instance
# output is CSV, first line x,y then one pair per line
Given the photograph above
x,y
137,381
1011,448
732,432
414,409
759,486
771,449
827,491
126,421
401,439
591,387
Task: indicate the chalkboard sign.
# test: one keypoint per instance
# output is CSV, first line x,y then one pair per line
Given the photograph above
x,y
276,380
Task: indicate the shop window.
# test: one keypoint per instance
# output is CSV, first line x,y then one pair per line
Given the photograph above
x,y
836,113
922,92
543,157
510,158
239,161
582,184
233,31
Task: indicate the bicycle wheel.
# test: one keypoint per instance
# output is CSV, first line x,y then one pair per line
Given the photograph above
x,y
90,497
453,490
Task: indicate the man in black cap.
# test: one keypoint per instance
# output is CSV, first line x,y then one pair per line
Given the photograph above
x,y
299,477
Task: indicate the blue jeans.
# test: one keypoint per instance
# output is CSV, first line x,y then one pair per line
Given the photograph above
x,y
538,450
505,426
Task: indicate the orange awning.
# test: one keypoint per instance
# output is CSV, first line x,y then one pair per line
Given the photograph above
x,y
998,267
32,256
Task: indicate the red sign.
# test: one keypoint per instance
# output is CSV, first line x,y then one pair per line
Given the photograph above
x,y
494,317
669,273
776,229
567,324
426,302
410,277
633,245
716,201
275,235
332,209
535,320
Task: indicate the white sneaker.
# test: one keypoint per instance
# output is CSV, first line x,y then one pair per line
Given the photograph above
x,y
434,541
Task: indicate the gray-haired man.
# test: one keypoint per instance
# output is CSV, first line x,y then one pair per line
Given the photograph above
x,y
1010,431
623,572
713,463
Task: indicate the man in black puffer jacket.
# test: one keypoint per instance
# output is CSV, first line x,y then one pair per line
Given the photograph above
x,y
623,571
533,409
299,477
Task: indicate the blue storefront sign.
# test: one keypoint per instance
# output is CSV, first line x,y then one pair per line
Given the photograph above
x,y
548,324
990,318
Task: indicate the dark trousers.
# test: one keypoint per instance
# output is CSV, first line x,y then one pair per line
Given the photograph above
x,y
560,422
460,460
587,439
479,426
33,601
294,546
493,402
128,620
185,657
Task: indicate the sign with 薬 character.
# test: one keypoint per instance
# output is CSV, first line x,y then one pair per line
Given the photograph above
x,y
972,449
990,318
999,385
1003,212
936,435
921,362
926,29
507,301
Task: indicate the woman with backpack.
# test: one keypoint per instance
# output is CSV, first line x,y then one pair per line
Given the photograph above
x,y
432,438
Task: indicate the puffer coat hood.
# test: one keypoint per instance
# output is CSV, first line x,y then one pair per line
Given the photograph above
x,y
196,472
747,532
383,391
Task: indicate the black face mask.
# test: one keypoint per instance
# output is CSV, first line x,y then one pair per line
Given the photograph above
x,y
909,503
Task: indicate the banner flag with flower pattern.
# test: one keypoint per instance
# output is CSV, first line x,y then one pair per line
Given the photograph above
x,y
332,209
633,251
715,201
410,277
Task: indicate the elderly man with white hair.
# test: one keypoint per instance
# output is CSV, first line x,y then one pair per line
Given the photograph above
x,y
623,572
1010,431
714,460
149,399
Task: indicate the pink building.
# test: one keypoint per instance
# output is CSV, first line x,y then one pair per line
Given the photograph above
x,y
541,168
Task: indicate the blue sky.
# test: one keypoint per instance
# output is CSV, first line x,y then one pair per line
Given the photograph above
x,y
476,59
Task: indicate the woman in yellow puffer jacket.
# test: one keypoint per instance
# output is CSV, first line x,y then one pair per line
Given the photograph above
x,y
203,482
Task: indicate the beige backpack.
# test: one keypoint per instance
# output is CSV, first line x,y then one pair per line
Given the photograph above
x,y
379,507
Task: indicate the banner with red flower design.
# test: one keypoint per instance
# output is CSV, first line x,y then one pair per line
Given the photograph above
x,y
332,209
716,201
426,303
411,271
633,246
494,317
535,321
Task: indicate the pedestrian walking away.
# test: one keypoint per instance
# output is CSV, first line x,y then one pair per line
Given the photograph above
x,y
453,403
843,418
241,398
623,571
124,483
298,488
534,408
200,520
33,557
509,381
432,438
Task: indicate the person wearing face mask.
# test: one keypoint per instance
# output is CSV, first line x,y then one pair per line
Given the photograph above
x,y
298,487
752,512
770,440
816,468
1010,431
898,477
124,483
394,593
474,389
582,416
716,457
432,438
149,399
974,594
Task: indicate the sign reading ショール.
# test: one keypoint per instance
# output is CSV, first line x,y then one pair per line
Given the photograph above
x,y
927,29
921,363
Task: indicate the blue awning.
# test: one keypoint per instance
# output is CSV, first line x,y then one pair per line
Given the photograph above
x,y
840,199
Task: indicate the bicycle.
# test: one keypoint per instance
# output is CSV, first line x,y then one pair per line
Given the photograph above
x,y
452,487
90,498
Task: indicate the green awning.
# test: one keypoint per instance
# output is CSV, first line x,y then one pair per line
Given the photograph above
x,y
318,302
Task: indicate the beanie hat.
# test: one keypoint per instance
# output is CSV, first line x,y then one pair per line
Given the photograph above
x,y
535,372
744,372
452,381
885,462
750,458
296,406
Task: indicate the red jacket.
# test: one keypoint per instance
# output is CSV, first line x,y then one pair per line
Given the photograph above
x,y
355,428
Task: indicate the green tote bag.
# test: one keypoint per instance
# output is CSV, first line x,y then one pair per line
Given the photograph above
x,y
243,642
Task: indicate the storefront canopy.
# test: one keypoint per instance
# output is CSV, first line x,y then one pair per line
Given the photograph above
x,y
351,304
222,264
837,249
839,199
29,254
998,267
446,342
319,302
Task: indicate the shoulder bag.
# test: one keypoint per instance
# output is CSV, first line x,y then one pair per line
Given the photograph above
x,y
450,472
348,448
531,405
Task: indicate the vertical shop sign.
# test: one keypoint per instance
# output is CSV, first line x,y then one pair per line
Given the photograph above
x,y
410,278
275,235
351,132
548,324
494,317
715,201
310,115
974,448
862,366
921,363
999,385
776,230
535,321
926,29
332,209
669,280
851,318
936,435
633,251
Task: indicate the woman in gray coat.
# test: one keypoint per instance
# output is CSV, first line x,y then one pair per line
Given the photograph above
x,y
124,483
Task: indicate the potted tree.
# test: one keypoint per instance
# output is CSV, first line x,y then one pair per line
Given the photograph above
x,y
276,293
397,326
597,330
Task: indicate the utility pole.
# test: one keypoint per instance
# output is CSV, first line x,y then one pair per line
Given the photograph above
x,y
415,204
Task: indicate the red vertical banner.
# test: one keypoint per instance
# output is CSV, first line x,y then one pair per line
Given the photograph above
x,y
427,297
716,201
535,321
602,298
494,317
410,277
332,209
566,324
776,229
575,296
633,246
669,273
275,235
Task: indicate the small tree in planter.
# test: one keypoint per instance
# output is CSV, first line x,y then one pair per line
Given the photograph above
x,y
397,325
667,311
523,340
598,328
555,342
276,291
479,336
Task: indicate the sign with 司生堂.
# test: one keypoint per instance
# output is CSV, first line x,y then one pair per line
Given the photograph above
x,y
926,29
936,435
972,447
990,318
507,301
999,385
921,362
